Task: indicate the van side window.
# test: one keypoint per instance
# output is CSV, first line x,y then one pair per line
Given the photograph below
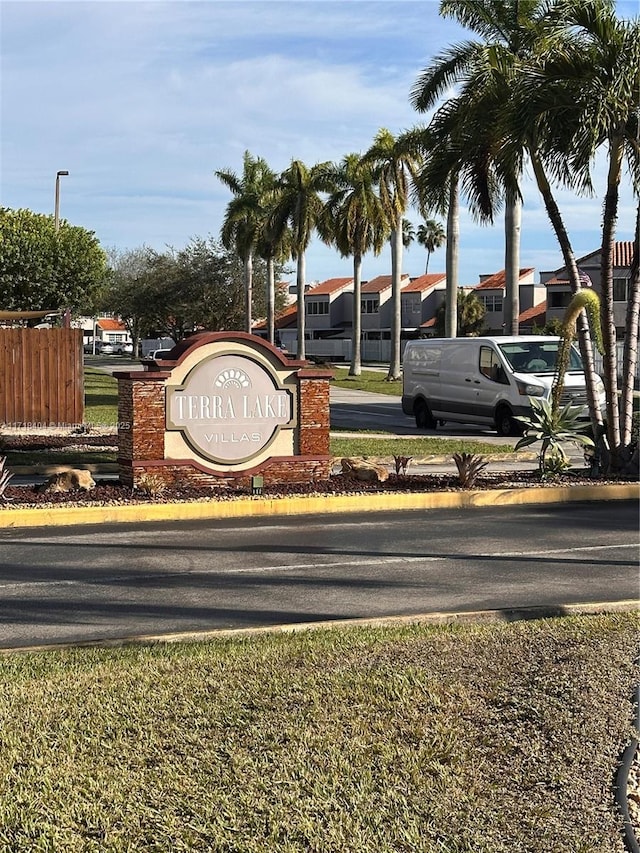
x,y
491,367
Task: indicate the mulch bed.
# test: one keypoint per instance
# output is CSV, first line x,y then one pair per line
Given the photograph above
x,y
110,492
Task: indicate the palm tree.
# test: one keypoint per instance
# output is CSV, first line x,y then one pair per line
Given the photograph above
x,y
431,235
273,246
469,315
485,70
244,216
408,233
300,205
568,104
354,220
395,161
591,100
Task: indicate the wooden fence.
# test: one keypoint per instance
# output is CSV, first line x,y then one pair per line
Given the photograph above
x,y
41,377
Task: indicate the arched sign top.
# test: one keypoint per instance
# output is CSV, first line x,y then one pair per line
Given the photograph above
x,y
229,407
200,339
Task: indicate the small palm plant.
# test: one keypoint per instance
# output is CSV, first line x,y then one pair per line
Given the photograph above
x,y
553,427
401,463
469,466
5,477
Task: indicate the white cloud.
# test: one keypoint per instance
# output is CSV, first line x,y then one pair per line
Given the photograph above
x,y
142,101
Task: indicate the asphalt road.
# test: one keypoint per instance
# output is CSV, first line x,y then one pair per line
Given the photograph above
x,y
107,582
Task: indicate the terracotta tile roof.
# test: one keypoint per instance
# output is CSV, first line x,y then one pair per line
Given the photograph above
x,y
555,280
428,323
107,324
331,285
382,282
536,312
285,319
424,282
497,280
622,254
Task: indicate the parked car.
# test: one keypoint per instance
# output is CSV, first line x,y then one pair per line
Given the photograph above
x,y
105,348
121,348
159,353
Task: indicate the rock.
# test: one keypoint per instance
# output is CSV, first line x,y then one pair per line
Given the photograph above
x,y
70,480
364,470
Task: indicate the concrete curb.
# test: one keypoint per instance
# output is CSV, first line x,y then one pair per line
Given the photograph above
x,y
254,507
440,618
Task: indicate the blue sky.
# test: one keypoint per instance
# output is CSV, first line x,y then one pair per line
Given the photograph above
x,y
142,101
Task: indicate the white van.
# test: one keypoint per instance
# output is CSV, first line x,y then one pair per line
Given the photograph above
x,y
485,381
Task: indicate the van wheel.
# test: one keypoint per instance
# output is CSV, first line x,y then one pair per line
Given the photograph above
x,y
424,418
505,422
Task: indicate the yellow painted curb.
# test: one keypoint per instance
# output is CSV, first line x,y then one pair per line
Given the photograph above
x,y
316,505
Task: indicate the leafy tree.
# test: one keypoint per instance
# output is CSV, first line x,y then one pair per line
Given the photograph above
x,y
396,161
44,269
354,219
469,314
129,294
431,235
201,286
299,205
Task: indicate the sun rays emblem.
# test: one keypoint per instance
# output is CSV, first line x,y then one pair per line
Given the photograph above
x,y
232,378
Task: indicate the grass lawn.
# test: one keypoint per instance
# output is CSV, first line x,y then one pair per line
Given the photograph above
x,y
498,738
100,398
369,380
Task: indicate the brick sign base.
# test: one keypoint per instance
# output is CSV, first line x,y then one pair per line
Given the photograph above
x,y
223,408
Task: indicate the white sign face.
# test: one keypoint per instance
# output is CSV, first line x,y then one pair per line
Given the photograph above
x,y
229,408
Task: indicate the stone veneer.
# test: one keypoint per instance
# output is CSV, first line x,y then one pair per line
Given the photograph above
x,y
142,420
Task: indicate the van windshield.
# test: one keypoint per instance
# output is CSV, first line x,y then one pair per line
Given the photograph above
x,y
537,356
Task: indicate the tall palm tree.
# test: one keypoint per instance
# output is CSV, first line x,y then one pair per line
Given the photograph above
x,y
396,161
431,235
586,99
300,205
273,246
244,216
485,71
408,233
354,220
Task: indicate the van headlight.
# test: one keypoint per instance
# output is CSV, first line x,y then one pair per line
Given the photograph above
x,y
530,389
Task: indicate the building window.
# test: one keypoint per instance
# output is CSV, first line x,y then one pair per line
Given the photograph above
x,y
370,306
491,303
559,299
620,286
317,307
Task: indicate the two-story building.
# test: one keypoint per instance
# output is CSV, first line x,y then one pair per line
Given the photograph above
x,y
492,293
420,300
558,287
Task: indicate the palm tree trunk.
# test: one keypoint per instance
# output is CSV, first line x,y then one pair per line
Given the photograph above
x,y
453,239
248,291
630,346
584,337
607,317
512,220
271,300
300,281
396,321
356,333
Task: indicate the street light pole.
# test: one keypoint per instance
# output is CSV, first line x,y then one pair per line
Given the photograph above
x,y
57,205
